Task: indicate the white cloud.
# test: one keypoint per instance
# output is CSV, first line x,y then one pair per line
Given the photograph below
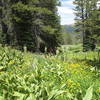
x,y
67,21
98,4
68,2
66,12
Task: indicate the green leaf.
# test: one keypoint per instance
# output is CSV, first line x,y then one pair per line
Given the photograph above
x,y
89,93
31,97
1,98
55,93
19,95
69,95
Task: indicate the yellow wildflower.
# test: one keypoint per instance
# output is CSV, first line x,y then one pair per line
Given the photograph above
x,y
70,82
78,84
74,65
98,90
11,62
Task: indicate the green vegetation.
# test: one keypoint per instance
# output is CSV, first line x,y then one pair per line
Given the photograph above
x,y
35,24
70,36
65,76
31,23
88,22
55,71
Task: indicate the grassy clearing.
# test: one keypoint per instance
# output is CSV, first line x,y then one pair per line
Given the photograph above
x,y
65,76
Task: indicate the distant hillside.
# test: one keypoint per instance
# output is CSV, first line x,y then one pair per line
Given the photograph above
x,y
68,28
70,36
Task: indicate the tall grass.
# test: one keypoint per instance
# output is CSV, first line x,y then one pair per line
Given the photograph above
x,y
65,76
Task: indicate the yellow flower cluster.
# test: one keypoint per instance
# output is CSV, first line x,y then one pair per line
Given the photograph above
x,y
11,62
74,65
73,86
98,90
71,83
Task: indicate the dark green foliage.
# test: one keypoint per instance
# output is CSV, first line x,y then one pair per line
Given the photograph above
x,y
87,21
30,23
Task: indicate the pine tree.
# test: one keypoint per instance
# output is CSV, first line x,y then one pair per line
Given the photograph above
x,y
31,23
95,23
51,28
4,21
84,12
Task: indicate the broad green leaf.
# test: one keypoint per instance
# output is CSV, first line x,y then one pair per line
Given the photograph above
x,y
89,93
55,93
69,95
19,95
1,98
31,97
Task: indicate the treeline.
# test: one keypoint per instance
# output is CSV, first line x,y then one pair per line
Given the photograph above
x,y
31,23
88,22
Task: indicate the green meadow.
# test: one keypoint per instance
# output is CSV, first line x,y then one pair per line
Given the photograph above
x,y
69,75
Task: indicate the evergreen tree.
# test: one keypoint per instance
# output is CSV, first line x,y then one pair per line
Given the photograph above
x,y
95,24
51,28
85,10
31,23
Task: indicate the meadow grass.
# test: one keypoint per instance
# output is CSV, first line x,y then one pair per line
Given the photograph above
x,y
64,76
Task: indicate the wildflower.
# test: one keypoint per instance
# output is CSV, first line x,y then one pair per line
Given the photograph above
x,y
74,65
78,84
11,62
98,90
69,82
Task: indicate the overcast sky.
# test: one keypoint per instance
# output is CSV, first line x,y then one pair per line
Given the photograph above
x,y
66,12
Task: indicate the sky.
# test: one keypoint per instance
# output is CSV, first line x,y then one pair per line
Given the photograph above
x,y
66,12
